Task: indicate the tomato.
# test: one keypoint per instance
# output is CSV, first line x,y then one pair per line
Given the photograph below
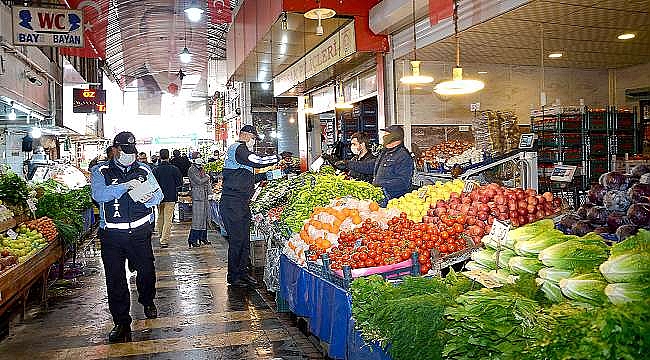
x,y
424,254
363,256
369,263
451,248
444,235
458,228
429,245
443,248
422,260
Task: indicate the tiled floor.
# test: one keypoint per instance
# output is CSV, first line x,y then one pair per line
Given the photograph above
x,y
199,316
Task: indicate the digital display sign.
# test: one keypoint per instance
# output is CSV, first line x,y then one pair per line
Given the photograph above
x,y
88,101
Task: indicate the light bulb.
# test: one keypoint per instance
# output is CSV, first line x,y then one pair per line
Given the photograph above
x,y
185,56
194,13
415,77
458,85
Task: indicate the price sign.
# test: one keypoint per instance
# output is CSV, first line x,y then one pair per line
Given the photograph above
x,y
469,186
499,231
12,234
357,243
256,194
563,173
31,203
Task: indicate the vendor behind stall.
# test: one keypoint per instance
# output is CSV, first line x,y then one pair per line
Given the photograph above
x,y
360,147
393,168
289,164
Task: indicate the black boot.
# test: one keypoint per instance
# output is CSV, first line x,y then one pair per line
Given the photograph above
x,y
150,311
193,244
120,333
250,280
205,242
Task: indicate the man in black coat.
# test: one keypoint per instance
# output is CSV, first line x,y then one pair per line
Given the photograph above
x,y
181,162
170,179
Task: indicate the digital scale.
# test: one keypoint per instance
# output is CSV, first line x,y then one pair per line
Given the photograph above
x,y
526,141
563,173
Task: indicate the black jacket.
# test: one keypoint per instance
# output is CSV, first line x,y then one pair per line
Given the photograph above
x,y
170,180
238,174
182,163
393,170
357,175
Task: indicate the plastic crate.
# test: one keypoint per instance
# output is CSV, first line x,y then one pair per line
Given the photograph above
x,y
257,252
623,120
597,120
625,144
597,167
572,155
184,212
281,305
598,144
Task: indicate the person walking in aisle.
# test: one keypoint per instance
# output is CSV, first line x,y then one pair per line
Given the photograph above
x,y
127,192
181,162
238,183
170,180
201,189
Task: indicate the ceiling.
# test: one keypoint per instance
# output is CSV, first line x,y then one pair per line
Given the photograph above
x,y
144,39
280,48
585,31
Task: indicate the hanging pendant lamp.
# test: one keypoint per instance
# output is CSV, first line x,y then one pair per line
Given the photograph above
x,y
457,85
415,78
320,13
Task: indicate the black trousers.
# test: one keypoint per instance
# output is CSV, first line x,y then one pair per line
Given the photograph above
x,y
236,216
117,247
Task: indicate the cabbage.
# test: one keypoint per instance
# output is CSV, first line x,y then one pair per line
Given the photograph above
x,y
614,180
639,214
504,256
592,239
621,293
615,220
597,215
574,255
473,265
639,170
527,232
485,257
567,222
524,265
587,288
601,230
637,243
616,201
582,227
639,192
535,245
554,275
630,267
625,231
583,210
596,194
551,291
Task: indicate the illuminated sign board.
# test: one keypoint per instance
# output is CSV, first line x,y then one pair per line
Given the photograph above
x,y
88,100
48,27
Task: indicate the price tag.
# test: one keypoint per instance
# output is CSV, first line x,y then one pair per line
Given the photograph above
x,y
469,186
12,234
357,243
256,194
499,231
31,203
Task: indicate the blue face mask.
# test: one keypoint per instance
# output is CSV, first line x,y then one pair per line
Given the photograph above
x,y
125,159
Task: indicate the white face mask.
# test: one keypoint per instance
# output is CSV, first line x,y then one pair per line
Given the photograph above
x,y
355,149
250,144
126,159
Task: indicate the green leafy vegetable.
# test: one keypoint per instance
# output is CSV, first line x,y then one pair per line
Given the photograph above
x,y
634,243
535,245
573,255
621,293
630,267
485,257
587,288
524,265
554,275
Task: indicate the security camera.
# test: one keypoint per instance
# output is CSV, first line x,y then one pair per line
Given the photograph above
x,y
33,79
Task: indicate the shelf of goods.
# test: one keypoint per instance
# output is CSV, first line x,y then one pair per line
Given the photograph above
x,y
338,238
589,138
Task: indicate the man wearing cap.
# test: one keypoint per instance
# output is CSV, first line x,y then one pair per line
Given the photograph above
x,y
393,168
127,192
238,182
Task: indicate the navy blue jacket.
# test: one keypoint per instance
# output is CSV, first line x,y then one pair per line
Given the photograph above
x,y
117,210
392,170
238,175
170,179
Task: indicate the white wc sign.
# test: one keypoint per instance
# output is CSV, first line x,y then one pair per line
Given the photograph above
x,y
48,27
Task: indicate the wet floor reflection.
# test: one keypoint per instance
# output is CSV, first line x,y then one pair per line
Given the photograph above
x,y
199,316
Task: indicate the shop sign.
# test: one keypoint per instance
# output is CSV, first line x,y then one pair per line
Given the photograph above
x,y
329,52
48,27
88,100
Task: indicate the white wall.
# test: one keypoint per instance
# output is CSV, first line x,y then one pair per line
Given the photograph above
x,y
507,87
631,78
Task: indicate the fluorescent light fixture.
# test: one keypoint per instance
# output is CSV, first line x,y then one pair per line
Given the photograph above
x,y
292,120
194,12
284,39
12,115
458,85
341,104
415,77
265,86
185,56
36,133
626,36
555,55
482,72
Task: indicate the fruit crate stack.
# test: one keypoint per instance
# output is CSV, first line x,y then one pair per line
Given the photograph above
x,y
562,137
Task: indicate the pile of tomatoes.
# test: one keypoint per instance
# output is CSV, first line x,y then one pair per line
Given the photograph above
x,y
371,245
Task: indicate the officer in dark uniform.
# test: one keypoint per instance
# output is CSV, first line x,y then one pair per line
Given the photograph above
x,y
125,227
238,183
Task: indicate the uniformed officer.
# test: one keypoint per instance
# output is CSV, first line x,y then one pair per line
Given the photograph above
x,y
238,183
126,224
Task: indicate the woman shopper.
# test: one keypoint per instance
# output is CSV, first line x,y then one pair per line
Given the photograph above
x,y
201,187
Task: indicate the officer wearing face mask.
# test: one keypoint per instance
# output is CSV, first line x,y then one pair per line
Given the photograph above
x,y
238,183
125,227
393,168
360,147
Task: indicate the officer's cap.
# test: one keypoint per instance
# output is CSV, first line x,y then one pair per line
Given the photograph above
x,y
126,141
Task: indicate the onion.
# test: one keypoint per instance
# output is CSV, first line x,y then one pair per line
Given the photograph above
x,y
548,196
522,204
532,201
531,209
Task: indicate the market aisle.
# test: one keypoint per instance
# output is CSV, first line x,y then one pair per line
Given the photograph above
x,y
199,317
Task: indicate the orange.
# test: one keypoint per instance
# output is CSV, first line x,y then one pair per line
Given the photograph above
x,y
373,206
317,224
356,219
325,244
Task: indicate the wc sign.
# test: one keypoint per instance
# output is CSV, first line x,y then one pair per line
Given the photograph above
x,y
48,27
